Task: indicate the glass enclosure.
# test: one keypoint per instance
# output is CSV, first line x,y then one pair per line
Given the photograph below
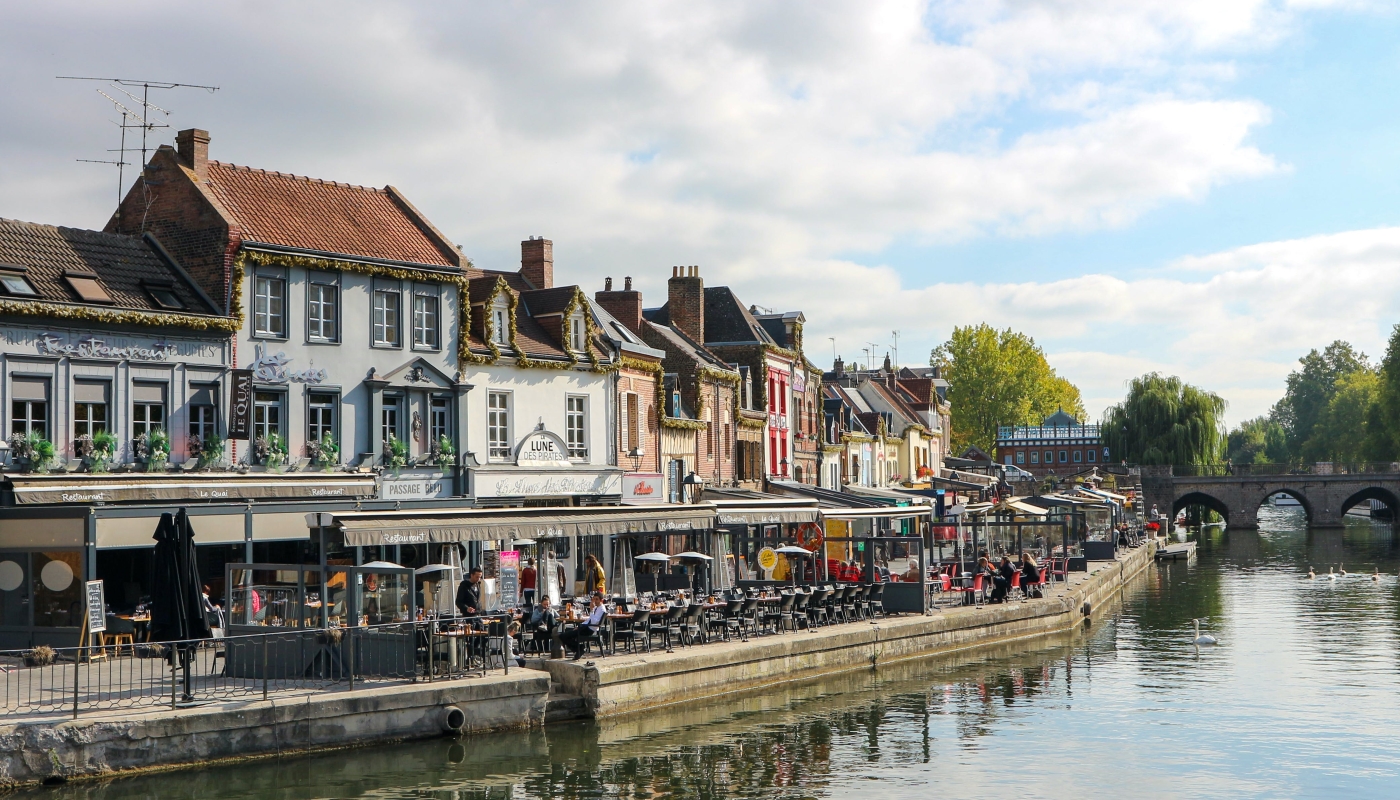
x,y
311,596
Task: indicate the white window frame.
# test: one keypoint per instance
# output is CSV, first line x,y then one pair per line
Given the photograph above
x,y
576,426
279,405
391,415
500,326
316,403
320,326
427,321
498,425
576,333
439,406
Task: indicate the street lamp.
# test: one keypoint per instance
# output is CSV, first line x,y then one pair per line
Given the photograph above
x,y
691,482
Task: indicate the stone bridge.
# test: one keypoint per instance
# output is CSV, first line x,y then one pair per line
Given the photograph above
x,y
1237,493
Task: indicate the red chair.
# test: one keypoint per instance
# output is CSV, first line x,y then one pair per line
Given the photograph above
x,y
971,593
1015,587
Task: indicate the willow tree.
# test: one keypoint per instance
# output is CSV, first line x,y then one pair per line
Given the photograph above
x,y
1166,421
999,377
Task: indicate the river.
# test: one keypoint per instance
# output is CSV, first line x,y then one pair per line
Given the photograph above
x,y
1299,700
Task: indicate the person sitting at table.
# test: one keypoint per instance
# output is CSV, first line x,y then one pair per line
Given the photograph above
x,y
576,638
512,631
1030,575
913,574
542,621
1001,580
469,594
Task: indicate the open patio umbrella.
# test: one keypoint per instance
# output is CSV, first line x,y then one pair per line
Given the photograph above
x,y
177,602
691,555
793,550
655,558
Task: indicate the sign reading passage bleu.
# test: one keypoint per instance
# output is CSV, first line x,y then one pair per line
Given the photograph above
x,y
240,413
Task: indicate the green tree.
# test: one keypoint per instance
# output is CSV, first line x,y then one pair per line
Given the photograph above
x,y
999,378
1309,392
1383,419
1166,421
1340,431
1258,441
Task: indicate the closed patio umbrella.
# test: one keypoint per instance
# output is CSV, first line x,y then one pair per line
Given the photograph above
x,y
177,602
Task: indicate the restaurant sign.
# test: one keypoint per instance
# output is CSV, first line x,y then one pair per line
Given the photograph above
x,y
408,486
642,488
528,483
240,413
542,449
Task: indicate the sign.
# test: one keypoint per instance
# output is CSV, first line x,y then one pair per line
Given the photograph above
x,y
240,412
509,482
414,487
799,381
96,606
767,558
509,586
91,347
542,449
642,488
272,368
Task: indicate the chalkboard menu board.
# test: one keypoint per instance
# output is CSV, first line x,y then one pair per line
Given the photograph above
x,y
509,566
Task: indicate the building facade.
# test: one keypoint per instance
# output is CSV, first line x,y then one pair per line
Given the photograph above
x,y
1061,444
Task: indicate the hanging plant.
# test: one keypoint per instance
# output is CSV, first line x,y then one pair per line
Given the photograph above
x,y
32,451
444,453
325,453
395,454
152,449
271,450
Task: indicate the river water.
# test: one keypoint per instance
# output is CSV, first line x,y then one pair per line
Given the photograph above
x,y
1299,700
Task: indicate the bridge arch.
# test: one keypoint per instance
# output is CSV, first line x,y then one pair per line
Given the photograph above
x,y
1296,494
1199,498
1372,493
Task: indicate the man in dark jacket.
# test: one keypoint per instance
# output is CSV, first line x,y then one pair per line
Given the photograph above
x,y
469,594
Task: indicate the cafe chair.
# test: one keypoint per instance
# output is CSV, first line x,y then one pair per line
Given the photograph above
x,y
816,608
670,626
876,600
731,620
635,631
693,625
119,631
798,613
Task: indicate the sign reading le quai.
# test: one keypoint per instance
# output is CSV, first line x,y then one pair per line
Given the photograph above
x,y
240,416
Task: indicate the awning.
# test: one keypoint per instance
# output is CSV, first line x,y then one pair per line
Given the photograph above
x,y
888,512
31,489
760,512
364,528
892,495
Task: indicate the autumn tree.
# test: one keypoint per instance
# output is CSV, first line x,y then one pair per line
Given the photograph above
x,y
999,378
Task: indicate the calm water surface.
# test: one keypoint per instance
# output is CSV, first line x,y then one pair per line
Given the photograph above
x,y
1300,700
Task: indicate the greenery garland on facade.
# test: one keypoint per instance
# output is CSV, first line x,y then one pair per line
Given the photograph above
x,y
108,316
522,360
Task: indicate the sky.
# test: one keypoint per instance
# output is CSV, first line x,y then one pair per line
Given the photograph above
x,y
1205,188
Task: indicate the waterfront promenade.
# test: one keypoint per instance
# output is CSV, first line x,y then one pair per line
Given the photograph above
x,y
101,742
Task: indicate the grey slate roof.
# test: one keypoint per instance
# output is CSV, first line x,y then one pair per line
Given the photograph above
x,y
124,266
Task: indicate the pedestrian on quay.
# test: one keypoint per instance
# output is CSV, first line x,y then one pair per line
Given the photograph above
x,y
528,578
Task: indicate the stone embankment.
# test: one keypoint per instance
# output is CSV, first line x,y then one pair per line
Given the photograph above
x,y
40,750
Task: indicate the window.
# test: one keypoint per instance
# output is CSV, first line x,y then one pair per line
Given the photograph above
x,y
87,287
16,284
425,321
576,334
499,334
1008,458
386,317
632,423
1093,456
320,417
1049,457
203,406
389,417
1020,456
147,408
709,437
576,426
439,414
498,424
1035,457
745,389
1078,456
322,314
29,406
164,296
269,307
267,414
89,407
772,394
1064,456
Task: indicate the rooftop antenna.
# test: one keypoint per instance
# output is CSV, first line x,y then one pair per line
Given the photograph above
x,y
869,362
130,119
832,339
896,350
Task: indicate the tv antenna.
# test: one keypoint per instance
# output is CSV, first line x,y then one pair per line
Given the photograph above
x,y
896,350
872,350
131,119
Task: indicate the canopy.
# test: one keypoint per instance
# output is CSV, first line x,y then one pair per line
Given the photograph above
x,y
765,512
109,488
888,512
364,528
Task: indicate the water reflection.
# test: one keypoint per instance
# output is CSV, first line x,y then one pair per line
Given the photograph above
x,y
1298,700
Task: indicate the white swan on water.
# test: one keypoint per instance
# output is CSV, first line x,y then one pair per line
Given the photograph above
x,y
1342,569
1311,574
1202,639
1376,576
1331,576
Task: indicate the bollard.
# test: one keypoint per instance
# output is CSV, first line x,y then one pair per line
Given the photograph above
x,y
264,669
76,658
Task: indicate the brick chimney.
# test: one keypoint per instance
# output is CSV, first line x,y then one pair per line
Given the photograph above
x,y
626,305
537,262
686,300
192,146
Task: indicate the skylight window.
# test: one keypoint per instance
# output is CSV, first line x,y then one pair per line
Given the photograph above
x,y
17,285
87,288
165,297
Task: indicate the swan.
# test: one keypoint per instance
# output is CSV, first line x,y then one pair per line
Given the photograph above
x,y
1376,576
1342,570
1202,638
1331,576
1311,574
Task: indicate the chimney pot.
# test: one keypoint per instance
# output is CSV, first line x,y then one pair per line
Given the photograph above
x,y
686,300
192,147
537,262
627,283
607,284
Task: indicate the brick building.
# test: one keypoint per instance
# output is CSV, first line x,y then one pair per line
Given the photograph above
x,y
1061,444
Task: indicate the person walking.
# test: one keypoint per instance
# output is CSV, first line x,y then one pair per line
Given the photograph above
x,y
528,578
594,581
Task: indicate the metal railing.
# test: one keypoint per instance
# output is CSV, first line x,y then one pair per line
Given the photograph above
x,y
1267,470
72,680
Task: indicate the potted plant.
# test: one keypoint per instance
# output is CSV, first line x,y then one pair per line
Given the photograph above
x,y
41,656
207,451
271,450
325,453
395,453
152,449
101,449
32,451
445,453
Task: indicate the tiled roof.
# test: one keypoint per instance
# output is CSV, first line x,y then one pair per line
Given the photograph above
x,y
676,340
124,265
549,301
310,214
726,319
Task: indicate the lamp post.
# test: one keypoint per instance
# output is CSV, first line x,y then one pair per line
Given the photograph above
x,y
691,482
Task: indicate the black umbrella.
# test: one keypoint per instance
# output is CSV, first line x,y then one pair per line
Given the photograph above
x,y
177,602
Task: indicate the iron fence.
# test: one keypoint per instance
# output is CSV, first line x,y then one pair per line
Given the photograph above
x,y
1268,470
71,680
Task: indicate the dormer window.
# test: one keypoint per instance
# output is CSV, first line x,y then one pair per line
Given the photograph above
x,y
499,333
576,334
164,296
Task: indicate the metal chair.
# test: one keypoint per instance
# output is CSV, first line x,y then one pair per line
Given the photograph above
x,y
693,625
783,615
636,630
816,608
876,600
